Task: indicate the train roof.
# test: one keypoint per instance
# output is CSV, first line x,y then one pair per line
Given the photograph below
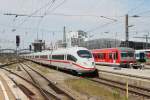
x,y
68,50
118,48
59,51
142,50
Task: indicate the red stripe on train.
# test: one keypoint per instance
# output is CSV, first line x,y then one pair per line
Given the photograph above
x,y
62,61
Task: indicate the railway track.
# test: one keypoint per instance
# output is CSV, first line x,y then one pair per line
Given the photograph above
x,y
59,92
9,63
26,91
140,91
144,92
46,94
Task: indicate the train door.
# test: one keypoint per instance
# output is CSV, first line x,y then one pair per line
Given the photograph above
x,y
142,57
114,57
71,60
95,57
110,57
69,64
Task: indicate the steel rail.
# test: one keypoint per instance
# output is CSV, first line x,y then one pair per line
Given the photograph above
x,y
132,89
53,86
42,91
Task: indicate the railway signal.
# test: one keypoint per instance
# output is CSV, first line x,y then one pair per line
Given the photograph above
x,y
17,43
17,40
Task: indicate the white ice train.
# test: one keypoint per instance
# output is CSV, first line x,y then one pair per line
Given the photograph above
x,y
76,59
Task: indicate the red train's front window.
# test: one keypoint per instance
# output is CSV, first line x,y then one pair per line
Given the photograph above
x,y
127,54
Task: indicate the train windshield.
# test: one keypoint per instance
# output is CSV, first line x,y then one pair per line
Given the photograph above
x,y
127,54
84,54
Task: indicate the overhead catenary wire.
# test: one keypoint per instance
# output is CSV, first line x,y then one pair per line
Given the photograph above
x,y
50,6
136,7
35,12
82,15
59,5
104,25
100,26
61,14
144,12
40,21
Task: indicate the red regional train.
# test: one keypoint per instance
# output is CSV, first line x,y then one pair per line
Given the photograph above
x,y
122,56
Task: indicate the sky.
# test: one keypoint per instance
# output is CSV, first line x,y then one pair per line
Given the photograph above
x,y
100,18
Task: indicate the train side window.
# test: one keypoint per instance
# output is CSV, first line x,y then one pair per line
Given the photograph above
x,y
100,56
130,54
71,58
44,56
58,57
137,55
110,55
104,55
95,55
36,56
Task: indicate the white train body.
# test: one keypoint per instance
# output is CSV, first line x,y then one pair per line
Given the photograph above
x,y
75,59
142,55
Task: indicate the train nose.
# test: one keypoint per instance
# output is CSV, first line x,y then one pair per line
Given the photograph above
x,y
89,63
